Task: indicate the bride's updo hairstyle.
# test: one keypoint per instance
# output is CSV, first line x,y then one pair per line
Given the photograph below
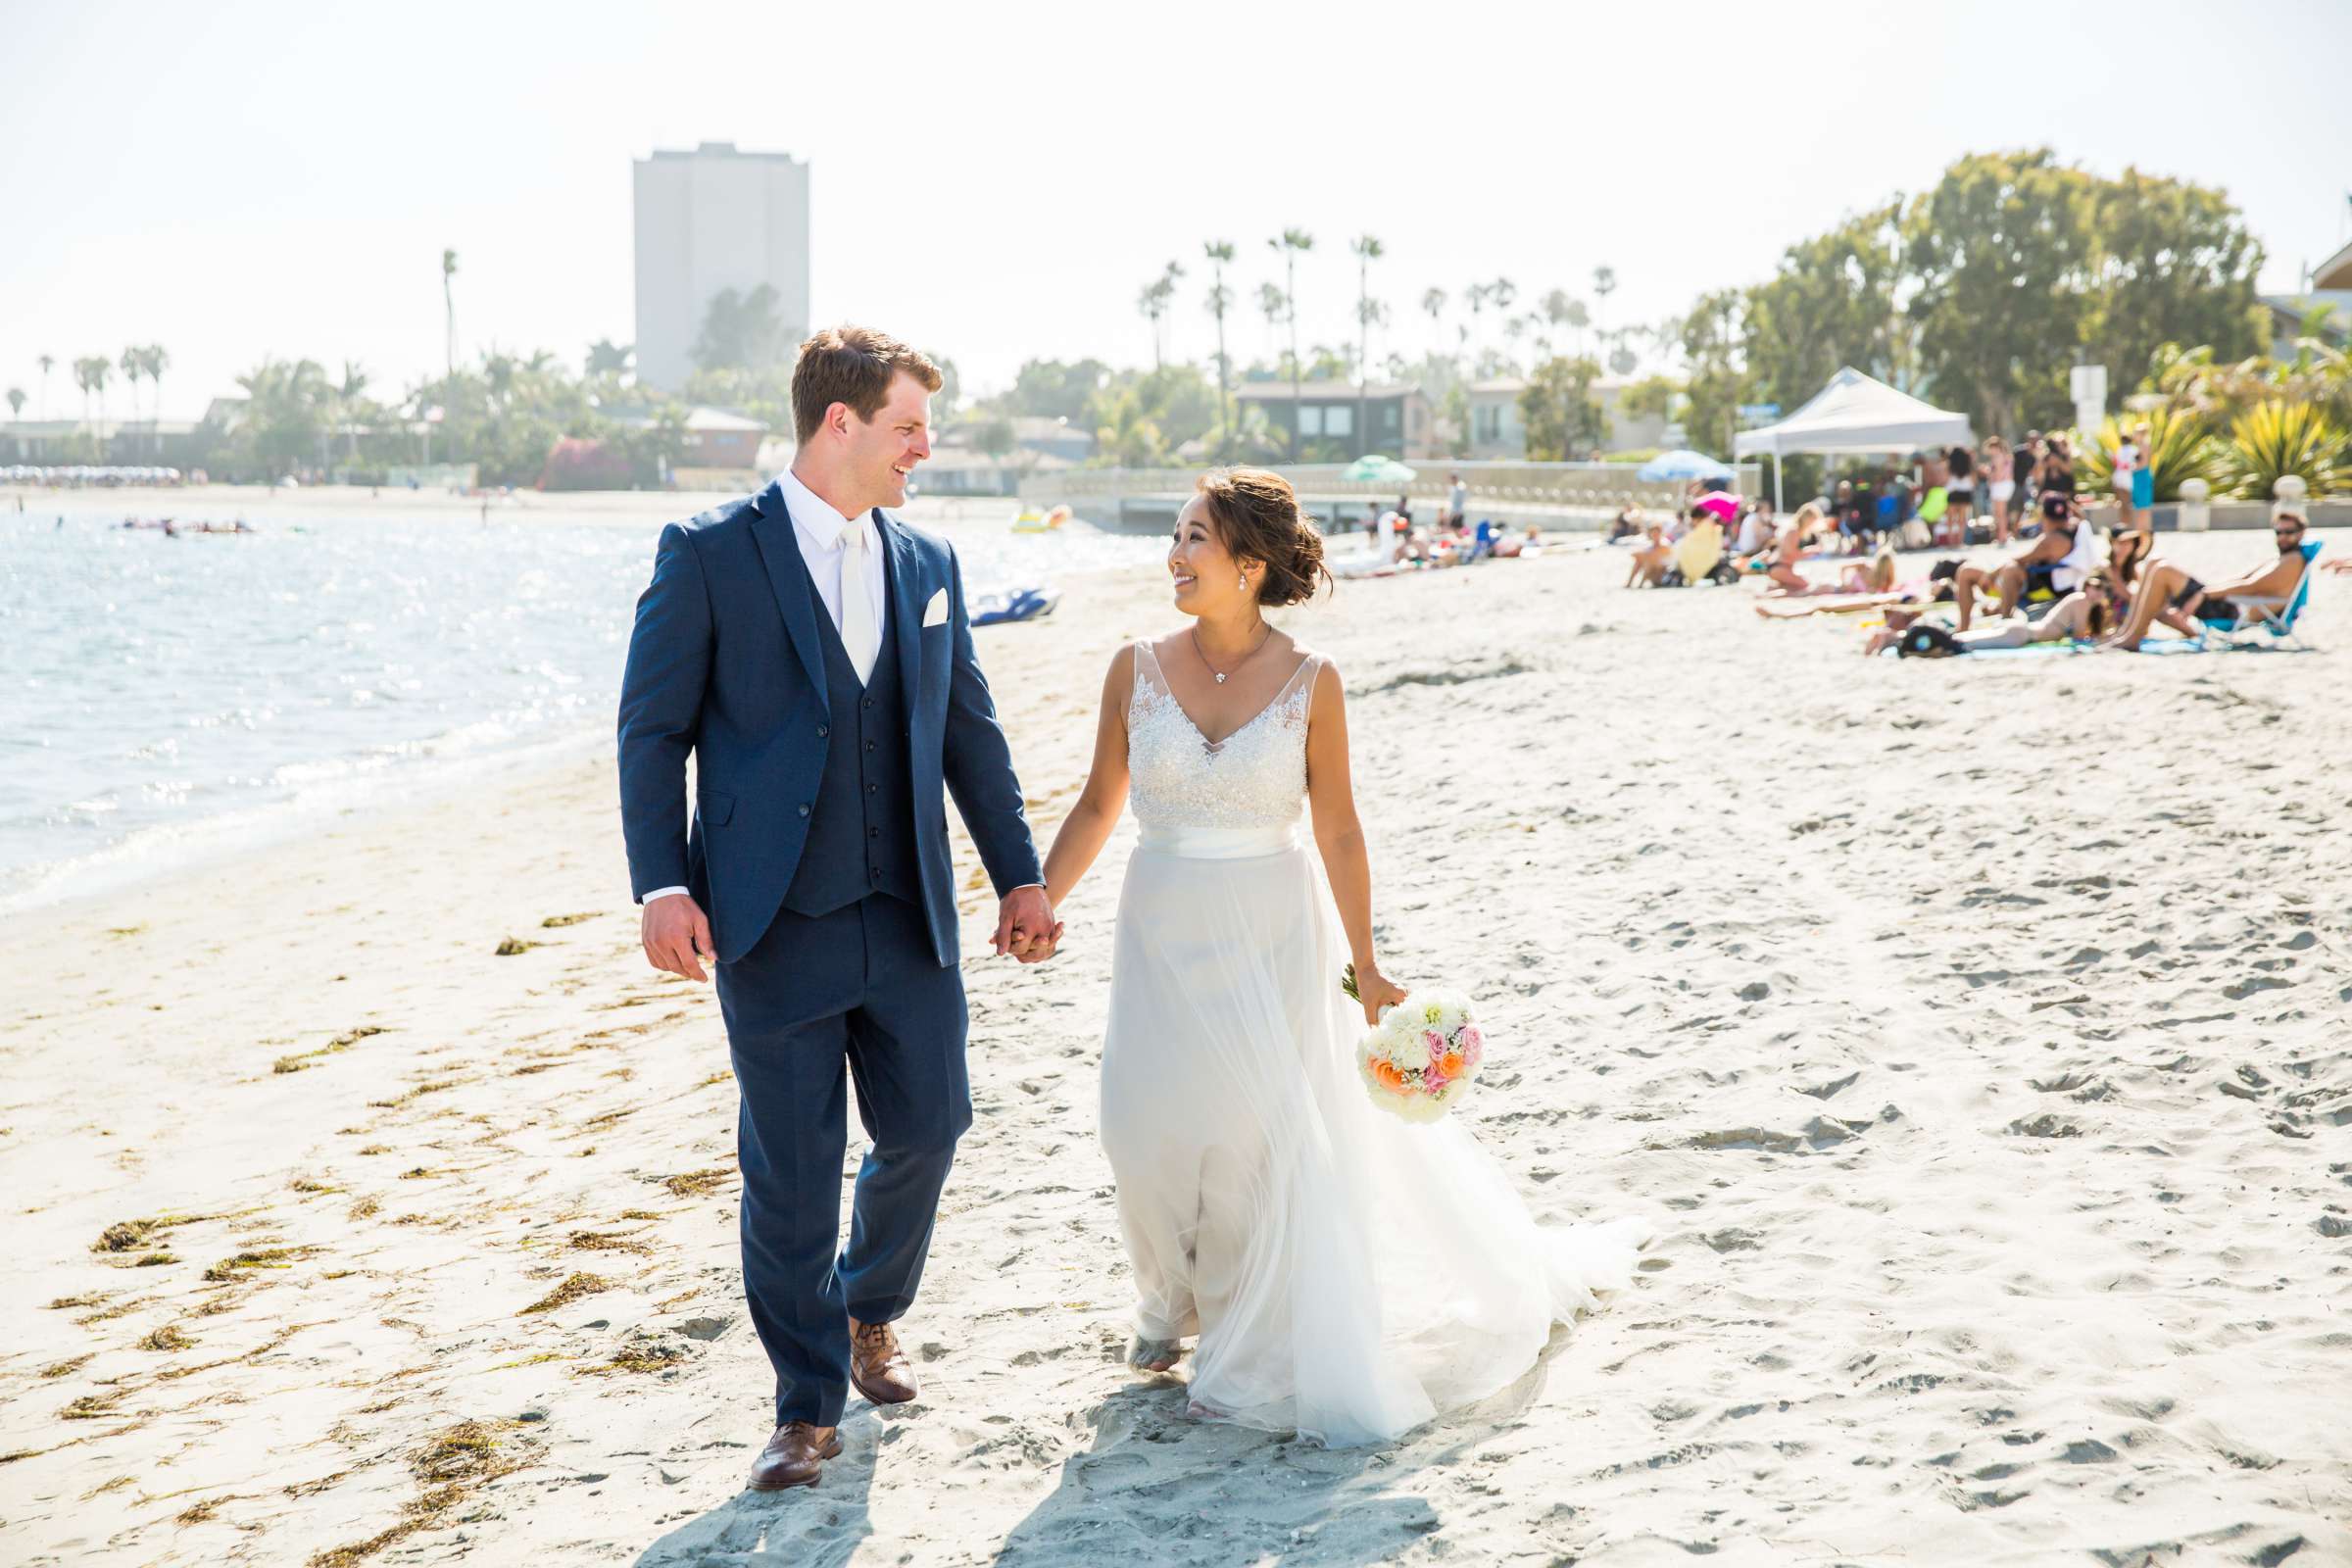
x,y
1256,516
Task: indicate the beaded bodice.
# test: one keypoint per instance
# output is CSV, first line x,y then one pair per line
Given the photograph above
x,y
1253,778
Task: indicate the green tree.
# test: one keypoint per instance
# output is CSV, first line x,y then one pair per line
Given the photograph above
x,y
351,402
1562,416
1367,249
1155,301
287,407
607,357
1650,398
1292,242
997,438
2171,263
1718,381
16,402
449,309
1055,389
155,360
741,332
91,374
1272,304
1999,256
1833,303
132,367
1220,253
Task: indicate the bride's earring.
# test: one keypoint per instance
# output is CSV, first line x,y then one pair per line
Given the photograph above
x,y
1244,582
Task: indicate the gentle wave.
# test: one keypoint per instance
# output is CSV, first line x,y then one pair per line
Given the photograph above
x,y
166,700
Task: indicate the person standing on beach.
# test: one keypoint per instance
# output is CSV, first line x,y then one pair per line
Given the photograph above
x,y
1457,501
812,654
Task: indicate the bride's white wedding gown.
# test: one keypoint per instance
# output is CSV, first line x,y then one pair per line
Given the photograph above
x,y
1349,1275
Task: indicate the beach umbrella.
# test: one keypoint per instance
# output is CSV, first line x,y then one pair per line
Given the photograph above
x,y
1373,469
1682,464
1722,503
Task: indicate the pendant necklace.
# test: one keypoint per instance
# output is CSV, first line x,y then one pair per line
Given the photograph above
x,y
1245,659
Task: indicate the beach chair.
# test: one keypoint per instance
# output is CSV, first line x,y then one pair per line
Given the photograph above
x,y
2275,619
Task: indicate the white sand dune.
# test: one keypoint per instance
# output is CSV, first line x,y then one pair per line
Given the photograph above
x,y
1976,1033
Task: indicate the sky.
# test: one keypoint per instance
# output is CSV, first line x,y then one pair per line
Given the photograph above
x,y
999,182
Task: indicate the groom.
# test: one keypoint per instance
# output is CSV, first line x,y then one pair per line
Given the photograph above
x,y
812,654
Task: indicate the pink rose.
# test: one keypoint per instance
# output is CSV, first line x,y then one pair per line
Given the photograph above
x,y
1436,1043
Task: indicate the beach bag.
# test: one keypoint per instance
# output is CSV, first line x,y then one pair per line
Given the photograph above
x,y
1917,535
1922,641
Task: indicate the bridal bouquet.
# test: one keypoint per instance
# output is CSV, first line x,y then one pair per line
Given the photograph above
x,y
1422,1056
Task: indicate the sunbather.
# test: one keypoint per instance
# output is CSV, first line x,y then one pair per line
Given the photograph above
x,y
2059,559
2167,593
2081,616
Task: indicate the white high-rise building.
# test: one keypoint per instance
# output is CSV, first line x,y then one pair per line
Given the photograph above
x,y
709,220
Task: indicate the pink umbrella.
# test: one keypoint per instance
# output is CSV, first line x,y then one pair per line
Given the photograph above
x,y
1722,503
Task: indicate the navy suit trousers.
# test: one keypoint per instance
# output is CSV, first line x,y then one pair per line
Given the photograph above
x,y
857,995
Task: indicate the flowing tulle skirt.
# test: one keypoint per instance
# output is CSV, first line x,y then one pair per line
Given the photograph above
x,y
1349,1275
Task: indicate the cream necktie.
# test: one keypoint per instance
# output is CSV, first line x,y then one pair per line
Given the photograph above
x,y
861,638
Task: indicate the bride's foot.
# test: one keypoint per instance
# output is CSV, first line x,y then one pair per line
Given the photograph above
x,y
1152,1355
1205,1412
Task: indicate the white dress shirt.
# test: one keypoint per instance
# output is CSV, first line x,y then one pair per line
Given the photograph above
x,y
818,528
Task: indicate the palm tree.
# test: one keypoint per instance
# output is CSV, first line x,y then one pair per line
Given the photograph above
x,y
131,365
155,360
1154,302
1220,299
1604,284
1291,241
1476,294
605,358
93,373
449,306
46,362
16,402
1367,249
1271,302
347,397
1433,305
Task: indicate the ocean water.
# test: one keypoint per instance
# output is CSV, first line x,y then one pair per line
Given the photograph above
x,y
165,700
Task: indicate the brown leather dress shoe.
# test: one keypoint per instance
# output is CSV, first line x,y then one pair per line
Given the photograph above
x,y
795,1457
878,1368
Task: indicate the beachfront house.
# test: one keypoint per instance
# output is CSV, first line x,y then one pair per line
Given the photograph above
x,y
1497,431
1389,418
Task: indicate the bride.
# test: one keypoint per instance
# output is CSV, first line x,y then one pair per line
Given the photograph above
x,y
1343,1274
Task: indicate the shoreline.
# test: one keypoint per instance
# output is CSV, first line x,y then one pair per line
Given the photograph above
x,y
1982,1082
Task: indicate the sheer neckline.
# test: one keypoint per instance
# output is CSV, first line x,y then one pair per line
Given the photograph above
x,y
1144,649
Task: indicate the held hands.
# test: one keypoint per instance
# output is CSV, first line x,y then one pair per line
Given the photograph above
x,y
1026,927
676,936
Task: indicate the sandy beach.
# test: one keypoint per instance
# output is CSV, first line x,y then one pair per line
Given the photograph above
x,y
1974,1032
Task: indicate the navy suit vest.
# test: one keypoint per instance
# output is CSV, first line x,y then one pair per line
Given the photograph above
x,y
861,823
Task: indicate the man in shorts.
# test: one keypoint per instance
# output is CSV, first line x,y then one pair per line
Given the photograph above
x,y
2056,562
2168,593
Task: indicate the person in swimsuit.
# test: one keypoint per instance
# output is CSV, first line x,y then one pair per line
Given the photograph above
x,y
2001,477
2082,615
2167,593
2048,562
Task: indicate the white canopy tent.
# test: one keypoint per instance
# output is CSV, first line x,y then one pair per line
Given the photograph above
x,y
1854,414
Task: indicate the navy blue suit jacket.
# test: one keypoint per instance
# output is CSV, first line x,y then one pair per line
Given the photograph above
x,y
724,665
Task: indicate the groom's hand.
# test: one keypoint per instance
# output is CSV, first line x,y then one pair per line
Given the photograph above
x,y
1025,926
676,936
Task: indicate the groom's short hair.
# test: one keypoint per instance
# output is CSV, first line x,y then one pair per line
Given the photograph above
x,y
851,365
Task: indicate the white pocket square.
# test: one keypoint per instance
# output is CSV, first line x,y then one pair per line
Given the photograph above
x,y
935,613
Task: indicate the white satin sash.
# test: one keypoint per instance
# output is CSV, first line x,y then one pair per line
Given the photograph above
x,y
1219,842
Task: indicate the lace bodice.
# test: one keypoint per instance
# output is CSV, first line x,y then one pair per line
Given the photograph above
x,y
1253,778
